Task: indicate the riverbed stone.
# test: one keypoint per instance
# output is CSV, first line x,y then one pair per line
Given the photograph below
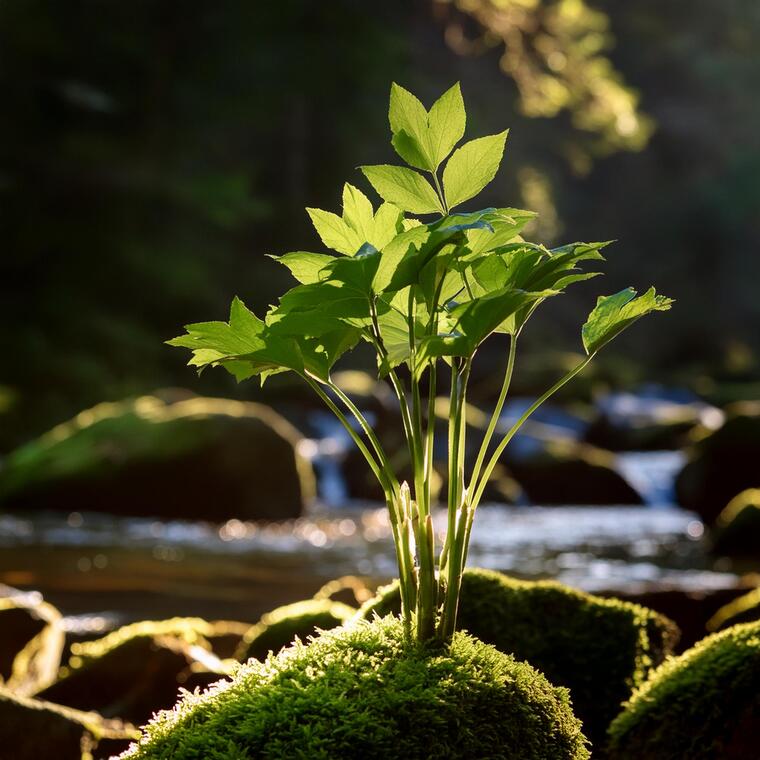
x,y
743,609
722,463
737,529
565,472
138,669
641,422
175,457
31,642
32,729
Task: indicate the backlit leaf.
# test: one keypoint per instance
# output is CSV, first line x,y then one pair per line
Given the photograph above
x,y
472,167
614,313
403,187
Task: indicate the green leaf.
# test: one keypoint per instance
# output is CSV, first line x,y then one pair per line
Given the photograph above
x,y
223,343
358,213
388,223
305,266
446,123
614,313
403,187
409,124
334,232
470,323
472,167
506,225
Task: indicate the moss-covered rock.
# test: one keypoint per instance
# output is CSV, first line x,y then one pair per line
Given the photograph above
x,y
280,627
362,691
737,529
702,705
137,669
349,589
599,648
31,729
745,609
31,642
566,472
722,463
200,458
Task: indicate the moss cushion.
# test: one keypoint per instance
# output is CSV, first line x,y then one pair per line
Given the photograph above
x,y
599,648
703,705
363,691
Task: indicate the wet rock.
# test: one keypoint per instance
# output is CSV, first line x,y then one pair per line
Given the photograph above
x,y
722,463
31,642
565,472
737,529
648,421
32,729
138,669
279,628
196,458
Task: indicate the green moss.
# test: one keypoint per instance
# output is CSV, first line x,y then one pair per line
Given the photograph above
x,y
702,705
362,691
737,529
279,628
745,609
599,648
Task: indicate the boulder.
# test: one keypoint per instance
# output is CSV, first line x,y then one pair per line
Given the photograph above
x,y
138,669
702,705
599,648
367,691
193,458
648,421
737,529
722,463
744,609
279,628
32,729
31,642
565,472
348,589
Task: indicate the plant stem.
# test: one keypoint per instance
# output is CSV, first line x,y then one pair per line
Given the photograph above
x,y
496,412
510,434
403,554
439,190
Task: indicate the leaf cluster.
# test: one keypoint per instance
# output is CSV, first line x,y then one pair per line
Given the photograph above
x,y
417,291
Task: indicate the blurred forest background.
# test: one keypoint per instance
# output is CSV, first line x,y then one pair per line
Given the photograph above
x,y
152,153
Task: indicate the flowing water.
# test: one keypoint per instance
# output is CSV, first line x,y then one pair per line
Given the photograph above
x,y
129,568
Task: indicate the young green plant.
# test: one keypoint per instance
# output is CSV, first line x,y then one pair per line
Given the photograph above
x,y
425,295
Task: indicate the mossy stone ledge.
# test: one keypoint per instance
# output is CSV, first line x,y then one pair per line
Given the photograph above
x,y
702,705
601,649
366,691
